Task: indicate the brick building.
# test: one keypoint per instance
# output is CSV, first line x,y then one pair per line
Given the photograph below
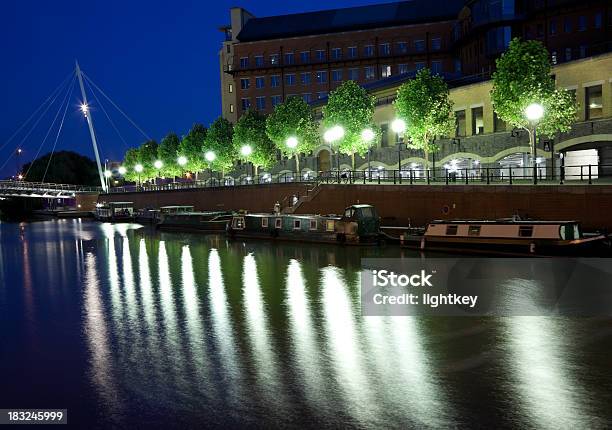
x,y
265,60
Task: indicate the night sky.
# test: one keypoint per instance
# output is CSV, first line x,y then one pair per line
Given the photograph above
x,y
158,60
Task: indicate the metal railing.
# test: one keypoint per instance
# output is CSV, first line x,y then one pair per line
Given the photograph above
x,y
25,186
582,174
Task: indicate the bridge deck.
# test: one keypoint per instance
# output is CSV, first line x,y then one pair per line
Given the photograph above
x,y
43,189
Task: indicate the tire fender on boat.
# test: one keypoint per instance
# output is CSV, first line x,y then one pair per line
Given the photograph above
x,y
532,248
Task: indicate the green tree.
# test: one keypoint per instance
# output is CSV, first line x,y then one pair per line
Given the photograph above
x,y
62,167
192,146
168,154
250,130
424,105
130,160
147,156
523,77
219,140
352,108
293,119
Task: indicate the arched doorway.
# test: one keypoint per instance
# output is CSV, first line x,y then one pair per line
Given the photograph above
x,y
324,160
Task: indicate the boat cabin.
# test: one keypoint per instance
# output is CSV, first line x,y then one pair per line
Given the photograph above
x,y
176,209
525,230
115,210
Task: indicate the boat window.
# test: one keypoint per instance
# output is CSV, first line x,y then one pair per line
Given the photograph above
x,y
526,231
239,223
451,230
297,224
474,230
313,224
349,212
367,212
329,225
264,222
278,223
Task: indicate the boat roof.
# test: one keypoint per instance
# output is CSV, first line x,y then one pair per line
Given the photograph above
x,y
500,221
176,206
120,203
360,206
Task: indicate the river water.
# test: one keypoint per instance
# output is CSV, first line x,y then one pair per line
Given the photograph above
x,y
125,326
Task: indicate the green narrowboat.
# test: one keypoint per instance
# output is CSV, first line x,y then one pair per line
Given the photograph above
x,y
360,224
184,218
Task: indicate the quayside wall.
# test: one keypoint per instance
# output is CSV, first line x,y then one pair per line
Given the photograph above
x,y
403,204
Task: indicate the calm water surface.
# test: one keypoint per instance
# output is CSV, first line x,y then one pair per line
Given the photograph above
x,y
129,327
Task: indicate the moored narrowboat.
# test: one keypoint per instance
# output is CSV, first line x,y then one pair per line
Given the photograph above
x,y
147,216
360,224
509,237
115,212
209,222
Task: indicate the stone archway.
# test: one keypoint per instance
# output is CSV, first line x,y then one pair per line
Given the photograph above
x,y
324,160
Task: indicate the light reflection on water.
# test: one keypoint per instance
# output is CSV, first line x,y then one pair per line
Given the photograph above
x,y
228,333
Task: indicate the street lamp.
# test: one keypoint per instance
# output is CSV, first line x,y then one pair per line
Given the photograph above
x,y
158,164
534,113
210,157
246,150
138,169
332,135
399,126
367,135
107,175
292,142
122,170
182,161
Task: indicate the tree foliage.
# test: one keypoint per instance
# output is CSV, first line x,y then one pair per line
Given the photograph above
x,y
251,130
424,105
523,76
168,154
352,108
192,146
66,167
293,118
130,160
219,140
147,156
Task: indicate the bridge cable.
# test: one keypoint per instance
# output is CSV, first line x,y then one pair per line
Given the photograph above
x,y
125,144
56,90
116,107
49,130
59,130
33,127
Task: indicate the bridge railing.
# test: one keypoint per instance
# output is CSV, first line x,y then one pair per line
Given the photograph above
x,y
579,174
45,186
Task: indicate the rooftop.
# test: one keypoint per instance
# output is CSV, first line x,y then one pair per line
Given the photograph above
x,y
354,18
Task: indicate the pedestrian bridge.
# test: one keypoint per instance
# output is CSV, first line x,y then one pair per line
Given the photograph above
x,y
43,190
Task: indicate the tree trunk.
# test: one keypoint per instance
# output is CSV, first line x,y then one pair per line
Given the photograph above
x,y
256,169
532,145
426,159
353,161
297,166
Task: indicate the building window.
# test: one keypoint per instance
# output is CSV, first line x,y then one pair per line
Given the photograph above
x,y
290,79
552,27
276,100
477,121
321,94
402,47
460,123
337,75
289,58
593,102
305,57
581,23
261,103
231,108
385,49
368,50
321,77
598,20
436,44
419,45
336,53
246,103
305,78
353,74
402,68
568,54
385,71
244,83
274,59
320,55
498,123
370,73
307,97
260,82
582,51
259,61
275,81
244,62
436,67
230,88
419,65
352,52
567,24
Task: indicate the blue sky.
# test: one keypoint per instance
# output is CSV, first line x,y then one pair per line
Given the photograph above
x,y
156,59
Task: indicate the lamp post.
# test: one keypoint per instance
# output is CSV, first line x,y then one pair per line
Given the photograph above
x,y
182,161
292,143
246,151
367,135
122,171
534,113
399,127
333,135
107,175
138,169
17,162
210,157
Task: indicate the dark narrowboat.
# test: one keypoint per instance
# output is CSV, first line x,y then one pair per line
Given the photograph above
x,y
184,218
115,212
360,224
509,236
